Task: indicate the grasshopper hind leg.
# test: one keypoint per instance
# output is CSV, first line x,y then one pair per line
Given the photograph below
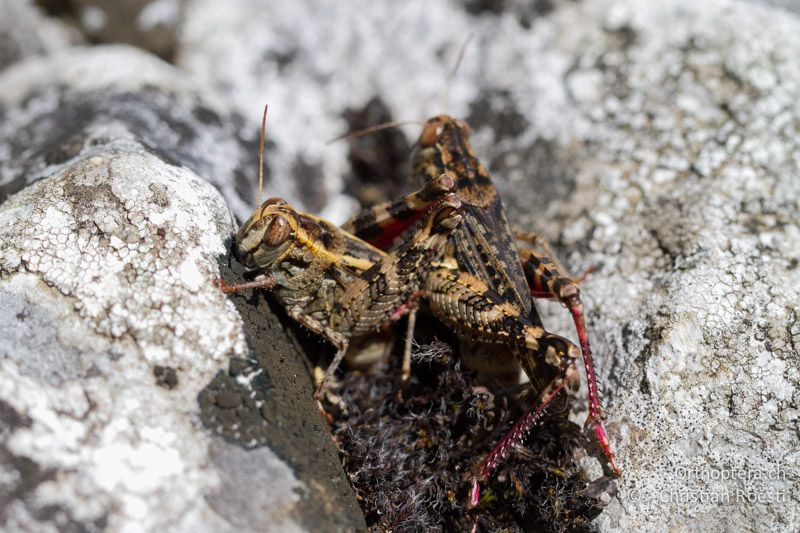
x,y
381,224
471,308
515,435
546,281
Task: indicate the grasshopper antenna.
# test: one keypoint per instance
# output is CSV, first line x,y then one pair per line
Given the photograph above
x,y
261,155
454,71
373,129
387,125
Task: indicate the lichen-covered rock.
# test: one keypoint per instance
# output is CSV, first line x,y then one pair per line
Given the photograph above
x,y
130,398
105,275
686,157
147,24
657,142
59,106
25,31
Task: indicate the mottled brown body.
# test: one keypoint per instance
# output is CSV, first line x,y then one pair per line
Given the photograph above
x,y
472,309
332,282
483,245
502,277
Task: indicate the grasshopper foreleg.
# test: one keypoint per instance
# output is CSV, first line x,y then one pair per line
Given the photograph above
x,y
338,340
262,282
407,345
409,308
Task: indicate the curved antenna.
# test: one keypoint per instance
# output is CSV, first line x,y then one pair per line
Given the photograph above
x,y
387,125
261,155
452,75
373,129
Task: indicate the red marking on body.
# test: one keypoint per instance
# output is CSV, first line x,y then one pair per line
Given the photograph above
x,y
543,295
394,229
406,307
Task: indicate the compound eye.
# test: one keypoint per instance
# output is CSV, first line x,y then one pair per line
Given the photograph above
x,y
277,231
464,127
273,201
430,135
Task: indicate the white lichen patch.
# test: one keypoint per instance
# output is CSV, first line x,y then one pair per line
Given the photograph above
x,y
95,235
692,309
122,93
678,125
106,271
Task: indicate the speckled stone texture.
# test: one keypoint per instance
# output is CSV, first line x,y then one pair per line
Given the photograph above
x,y
130,398
24,32
105,271
657,141
62,104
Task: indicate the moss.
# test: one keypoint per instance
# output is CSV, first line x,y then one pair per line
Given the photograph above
x,y
409,452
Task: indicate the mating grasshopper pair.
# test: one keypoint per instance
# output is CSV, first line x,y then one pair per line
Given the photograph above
x,y
456,249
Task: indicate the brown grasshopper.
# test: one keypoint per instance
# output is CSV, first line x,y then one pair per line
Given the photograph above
x,y
484,247
328,280
333,283
341,287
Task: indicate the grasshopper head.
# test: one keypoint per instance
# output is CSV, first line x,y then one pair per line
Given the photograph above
x,y
267,236
444,130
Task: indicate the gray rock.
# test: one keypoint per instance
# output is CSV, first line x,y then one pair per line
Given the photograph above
x,y
147,24
789,5
110,280
657,142
129,397
687,161
25,31
60,106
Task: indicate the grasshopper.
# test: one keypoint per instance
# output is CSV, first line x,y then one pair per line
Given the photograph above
x,y
333,283
484,248
341,287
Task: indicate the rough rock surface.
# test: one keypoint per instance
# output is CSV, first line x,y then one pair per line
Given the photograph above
x,y
61,104
658,142
129,398
25,31
684,149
